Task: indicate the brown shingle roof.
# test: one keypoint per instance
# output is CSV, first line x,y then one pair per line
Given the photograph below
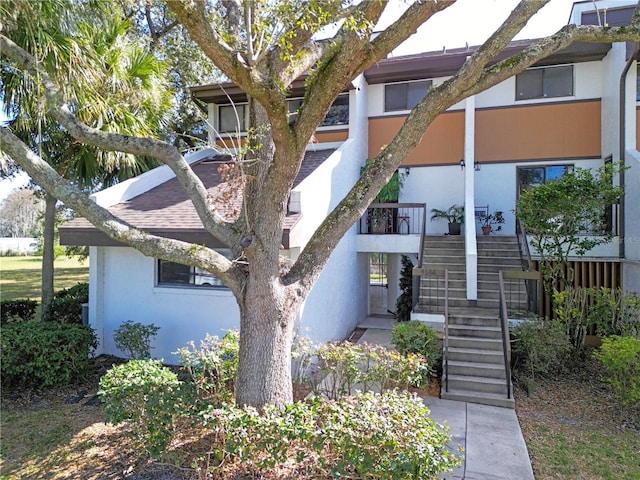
x,y
166,209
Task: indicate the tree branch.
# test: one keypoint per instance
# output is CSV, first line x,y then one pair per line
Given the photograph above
x,y
212,221
381,168
544,47
151,245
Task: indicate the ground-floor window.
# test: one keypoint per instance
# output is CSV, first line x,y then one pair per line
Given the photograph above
x,y
171,274
531,176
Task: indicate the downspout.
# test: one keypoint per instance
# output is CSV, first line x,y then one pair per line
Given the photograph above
x,y
623,137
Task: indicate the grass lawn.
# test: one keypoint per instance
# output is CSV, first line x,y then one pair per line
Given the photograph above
x,y
575,428
20,277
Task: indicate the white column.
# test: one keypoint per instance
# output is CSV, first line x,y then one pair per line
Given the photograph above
x,y
471,249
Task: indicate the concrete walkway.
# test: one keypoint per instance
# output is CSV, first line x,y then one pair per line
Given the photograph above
x,y
490,437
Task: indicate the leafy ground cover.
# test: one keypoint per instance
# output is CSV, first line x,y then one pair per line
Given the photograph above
x,y
575,428
20,277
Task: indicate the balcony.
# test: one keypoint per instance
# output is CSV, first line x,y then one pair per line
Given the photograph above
x,y
392,228
393,219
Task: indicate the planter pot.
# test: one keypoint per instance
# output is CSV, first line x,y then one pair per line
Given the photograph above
x,y
454,229
486,229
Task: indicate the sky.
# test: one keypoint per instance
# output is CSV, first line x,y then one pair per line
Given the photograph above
x,y
467,21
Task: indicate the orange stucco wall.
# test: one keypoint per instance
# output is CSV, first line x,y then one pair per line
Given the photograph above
x,y
552,130
531,132
442,143
331,136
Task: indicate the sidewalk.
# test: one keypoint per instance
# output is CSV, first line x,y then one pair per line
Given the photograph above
x,y
492,442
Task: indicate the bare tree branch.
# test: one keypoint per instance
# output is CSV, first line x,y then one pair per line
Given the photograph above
x,y
213,222
151,245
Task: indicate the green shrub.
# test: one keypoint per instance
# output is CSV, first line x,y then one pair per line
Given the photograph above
x,y
540,347
386,436
43,354
145,394
135,339
621,358
66,304
345,368
302,354
12,310
614,312
404,303
570,308
417,337
213,367
373,436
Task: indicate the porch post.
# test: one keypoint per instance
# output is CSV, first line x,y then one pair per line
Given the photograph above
x,y
471,249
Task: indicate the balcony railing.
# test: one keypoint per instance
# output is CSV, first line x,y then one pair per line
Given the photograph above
x,y
393,219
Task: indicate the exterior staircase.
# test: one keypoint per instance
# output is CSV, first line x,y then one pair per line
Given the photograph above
x,y
474,370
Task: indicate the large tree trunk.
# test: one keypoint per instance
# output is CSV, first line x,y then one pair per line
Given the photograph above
x,y
48,253
266,330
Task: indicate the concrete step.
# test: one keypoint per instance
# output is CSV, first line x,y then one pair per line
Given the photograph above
x,y
478,384
489,253
474,331
489,344
493,399
467,322
475,355
477,369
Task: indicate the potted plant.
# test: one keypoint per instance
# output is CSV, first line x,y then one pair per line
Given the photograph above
x,y
487,221
454,215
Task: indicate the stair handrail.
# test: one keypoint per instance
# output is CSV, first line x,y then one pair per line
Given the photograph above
x,y
415,287
533,296
504,325
446,330
523,246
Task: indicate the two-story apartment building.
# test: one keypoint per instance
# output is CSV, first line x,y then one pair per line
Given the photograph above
x,y
577,108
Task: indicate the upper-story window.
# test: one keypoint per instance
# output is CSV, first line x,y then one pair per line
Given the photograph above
x,y
545,83
338,113
404,96
232,118
171,274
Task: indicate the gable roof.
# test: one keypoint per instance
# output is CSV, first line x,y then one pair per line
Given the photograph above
x,y
167,211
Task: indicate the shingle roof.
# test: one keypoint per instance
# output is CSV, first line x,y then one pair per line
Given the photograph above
x,y
166,209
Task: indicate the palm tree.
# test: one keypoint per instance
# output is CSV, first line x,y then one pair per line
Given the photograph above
x,y
118,90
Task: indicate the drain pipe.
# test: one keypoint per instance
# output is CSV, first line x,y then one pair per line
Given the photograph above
x,y
622,159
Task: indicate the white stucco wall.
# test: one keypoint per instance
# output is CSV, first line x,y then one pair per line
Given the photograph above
x,y
129,293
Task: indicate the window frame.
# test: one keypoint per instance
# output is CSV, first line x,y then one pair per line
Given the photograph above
x,y
567,166
339,126
237,106
543,86
194,273
406,107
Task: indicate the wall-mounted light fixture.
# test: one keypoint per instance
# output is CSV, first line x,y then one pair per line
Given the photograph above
x,y
407,170
476,167
462,164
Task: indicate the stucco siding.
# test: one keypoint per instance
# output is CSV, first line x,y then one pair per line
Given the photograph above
x,y
441,144
554,130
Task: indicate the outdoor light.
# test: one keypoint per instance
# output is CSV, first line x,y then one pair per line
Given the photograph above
x,y
462,164
476,167
407,170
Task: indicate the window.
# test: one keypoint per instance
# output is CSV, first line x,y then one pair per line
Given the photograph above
x,y
531,176
545,83
229,116
172,274
338,113
404,96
